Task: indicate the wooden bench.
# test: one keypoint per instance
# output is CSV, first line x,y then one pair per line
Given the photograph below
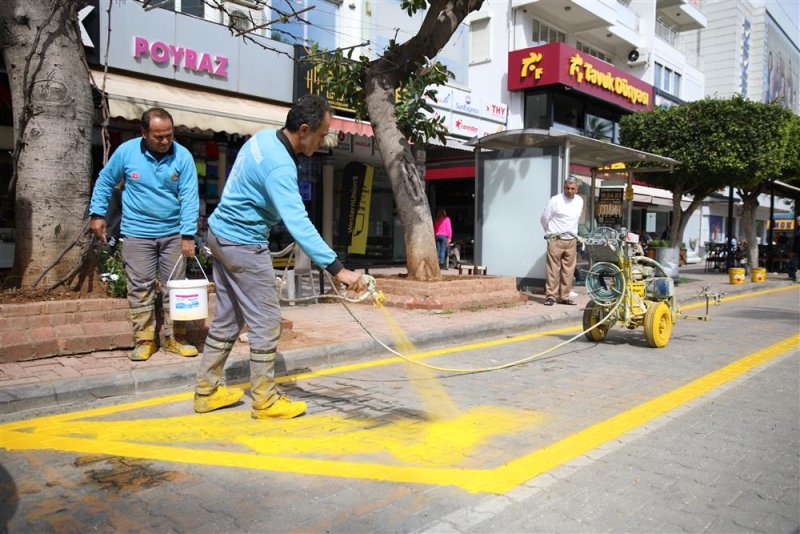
x,y
472,269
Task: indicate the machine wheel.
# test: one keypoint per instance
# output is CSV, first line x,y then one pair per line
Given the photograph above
x,y
658,325
591,316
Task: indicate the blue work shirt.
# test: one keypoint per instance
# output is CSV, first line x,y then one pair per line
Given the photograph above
x,y
160,196
260,191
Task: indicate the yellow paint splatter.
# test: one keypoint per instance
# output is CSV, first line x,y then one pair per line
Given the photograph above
x,y
437,403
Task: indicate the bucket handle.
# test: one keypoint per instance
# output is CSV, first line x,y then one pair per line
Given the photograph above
x,y
179,260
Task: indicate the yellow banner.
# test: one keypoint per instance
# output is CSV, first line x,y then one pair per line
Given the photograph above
x,y
358,244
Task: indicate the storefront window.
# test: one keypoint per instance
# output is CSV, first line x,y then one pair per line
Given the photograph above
x,y
318,25
568,112
537,111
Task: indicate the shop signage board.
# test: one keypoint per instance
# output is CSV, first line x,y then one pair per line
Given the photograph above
x,y
558,63
179,47
344,142
609,207
462,102
362,145
781,225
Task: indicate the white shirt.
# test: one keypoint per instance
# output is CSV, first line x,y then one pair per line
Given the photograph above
x,y
562,214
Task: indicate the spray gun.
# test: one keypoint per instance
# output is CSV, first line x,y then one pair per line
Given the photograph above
x,y
373,292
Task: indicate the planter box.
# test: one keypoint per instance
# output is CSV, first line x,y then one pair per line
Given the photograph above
x,y
452,293
64,327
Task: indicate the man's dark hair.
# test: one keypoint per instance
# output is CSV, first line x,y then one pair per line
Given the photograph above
x,y
159,113
309,109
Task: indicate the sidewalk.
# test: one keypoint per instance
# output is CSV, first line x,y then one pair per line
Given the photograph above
x,y
323,336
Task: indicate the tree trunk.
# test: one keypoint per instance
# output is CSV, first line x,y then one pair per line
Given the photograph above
x,y
680,217
749,206
53,113
407,182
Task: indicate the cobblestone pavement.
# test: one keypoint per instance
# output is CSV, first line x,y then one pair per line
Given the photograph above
x,y
324,335
703,435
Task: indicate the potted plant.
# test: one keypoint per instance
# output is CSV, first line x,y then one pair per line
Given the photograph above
x,y
667,256
653,245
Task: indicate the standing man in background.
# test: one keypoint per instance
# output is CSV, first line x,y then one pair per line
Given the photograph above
x,y
160,205
560,222
261,190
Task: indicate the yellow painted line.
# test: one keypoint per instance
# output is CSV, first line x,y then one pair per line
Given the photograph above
x,y
32,434
441,440
181,397
560,452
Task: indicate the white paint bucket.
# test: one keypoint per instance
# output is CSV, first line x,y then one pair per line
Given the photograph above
x,y
188,299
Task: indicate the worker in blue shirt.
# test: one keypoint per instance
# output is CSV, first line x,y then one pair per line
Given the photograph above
x,y
261,190
160,206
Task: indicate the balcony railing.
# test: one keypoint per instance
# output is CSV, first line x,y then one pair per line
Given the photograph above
x,y
666,32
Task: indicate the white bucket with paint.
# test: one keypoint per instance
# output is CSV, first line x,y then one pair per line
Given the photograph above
x,y
188,299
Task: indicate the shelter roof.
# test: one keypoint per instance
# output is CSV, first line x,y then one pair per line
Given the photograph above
x,y
583,150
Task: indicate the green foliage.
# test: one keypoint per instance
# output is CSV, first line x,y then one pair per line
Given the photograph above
x,y
342,78
791,166
112,270
658,243
414,113
412,6
719,142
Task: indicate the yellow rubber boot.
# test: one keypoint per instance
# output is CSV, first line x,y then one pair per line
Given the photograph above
x,y
179,347
282,408
142,351
222,397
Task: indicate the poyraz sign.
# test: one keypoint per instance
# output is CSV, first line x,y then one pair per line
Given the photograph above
x,y
180,57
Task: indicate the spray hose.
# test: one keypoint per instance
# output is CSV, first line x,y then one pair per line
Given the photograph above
x,y
378,299
539,355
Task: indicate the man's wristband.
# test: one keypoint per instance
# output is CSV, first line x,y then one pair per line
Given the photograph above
x,y
95,216
187,237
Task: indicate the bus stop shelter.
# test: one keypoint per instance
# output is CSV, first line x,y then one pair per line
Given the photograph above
x,y
516,173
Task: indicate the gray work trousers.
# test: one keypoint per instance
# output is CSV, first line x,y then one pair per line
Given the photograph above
x,y
143,258
246,295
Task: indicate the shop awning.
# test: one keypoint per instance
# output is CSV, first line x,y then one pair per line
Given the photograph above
x,y
129,97
351,126
451,142
450,173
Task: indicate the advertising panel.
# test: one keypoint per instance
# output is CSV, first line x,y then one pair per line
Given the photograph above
x,y
781,68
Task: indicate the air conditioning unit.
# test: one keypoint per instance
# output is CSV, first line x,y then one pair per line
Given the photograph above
x,y
637,57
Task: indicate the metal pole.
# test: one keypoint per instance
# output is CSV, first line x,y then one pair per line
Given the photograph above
x,y
771,231
729,231
592,194
567,147
629,202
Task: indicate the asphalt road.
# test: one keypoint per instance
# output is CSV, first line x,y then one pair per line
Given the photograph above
x,y
702,435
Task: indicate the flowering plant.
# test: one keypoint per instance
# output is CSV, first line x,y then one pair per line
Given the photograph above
x,y
112,269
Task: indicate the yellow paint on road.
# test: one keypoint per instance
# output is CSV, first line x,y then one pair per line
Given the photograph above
x,y
462,449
